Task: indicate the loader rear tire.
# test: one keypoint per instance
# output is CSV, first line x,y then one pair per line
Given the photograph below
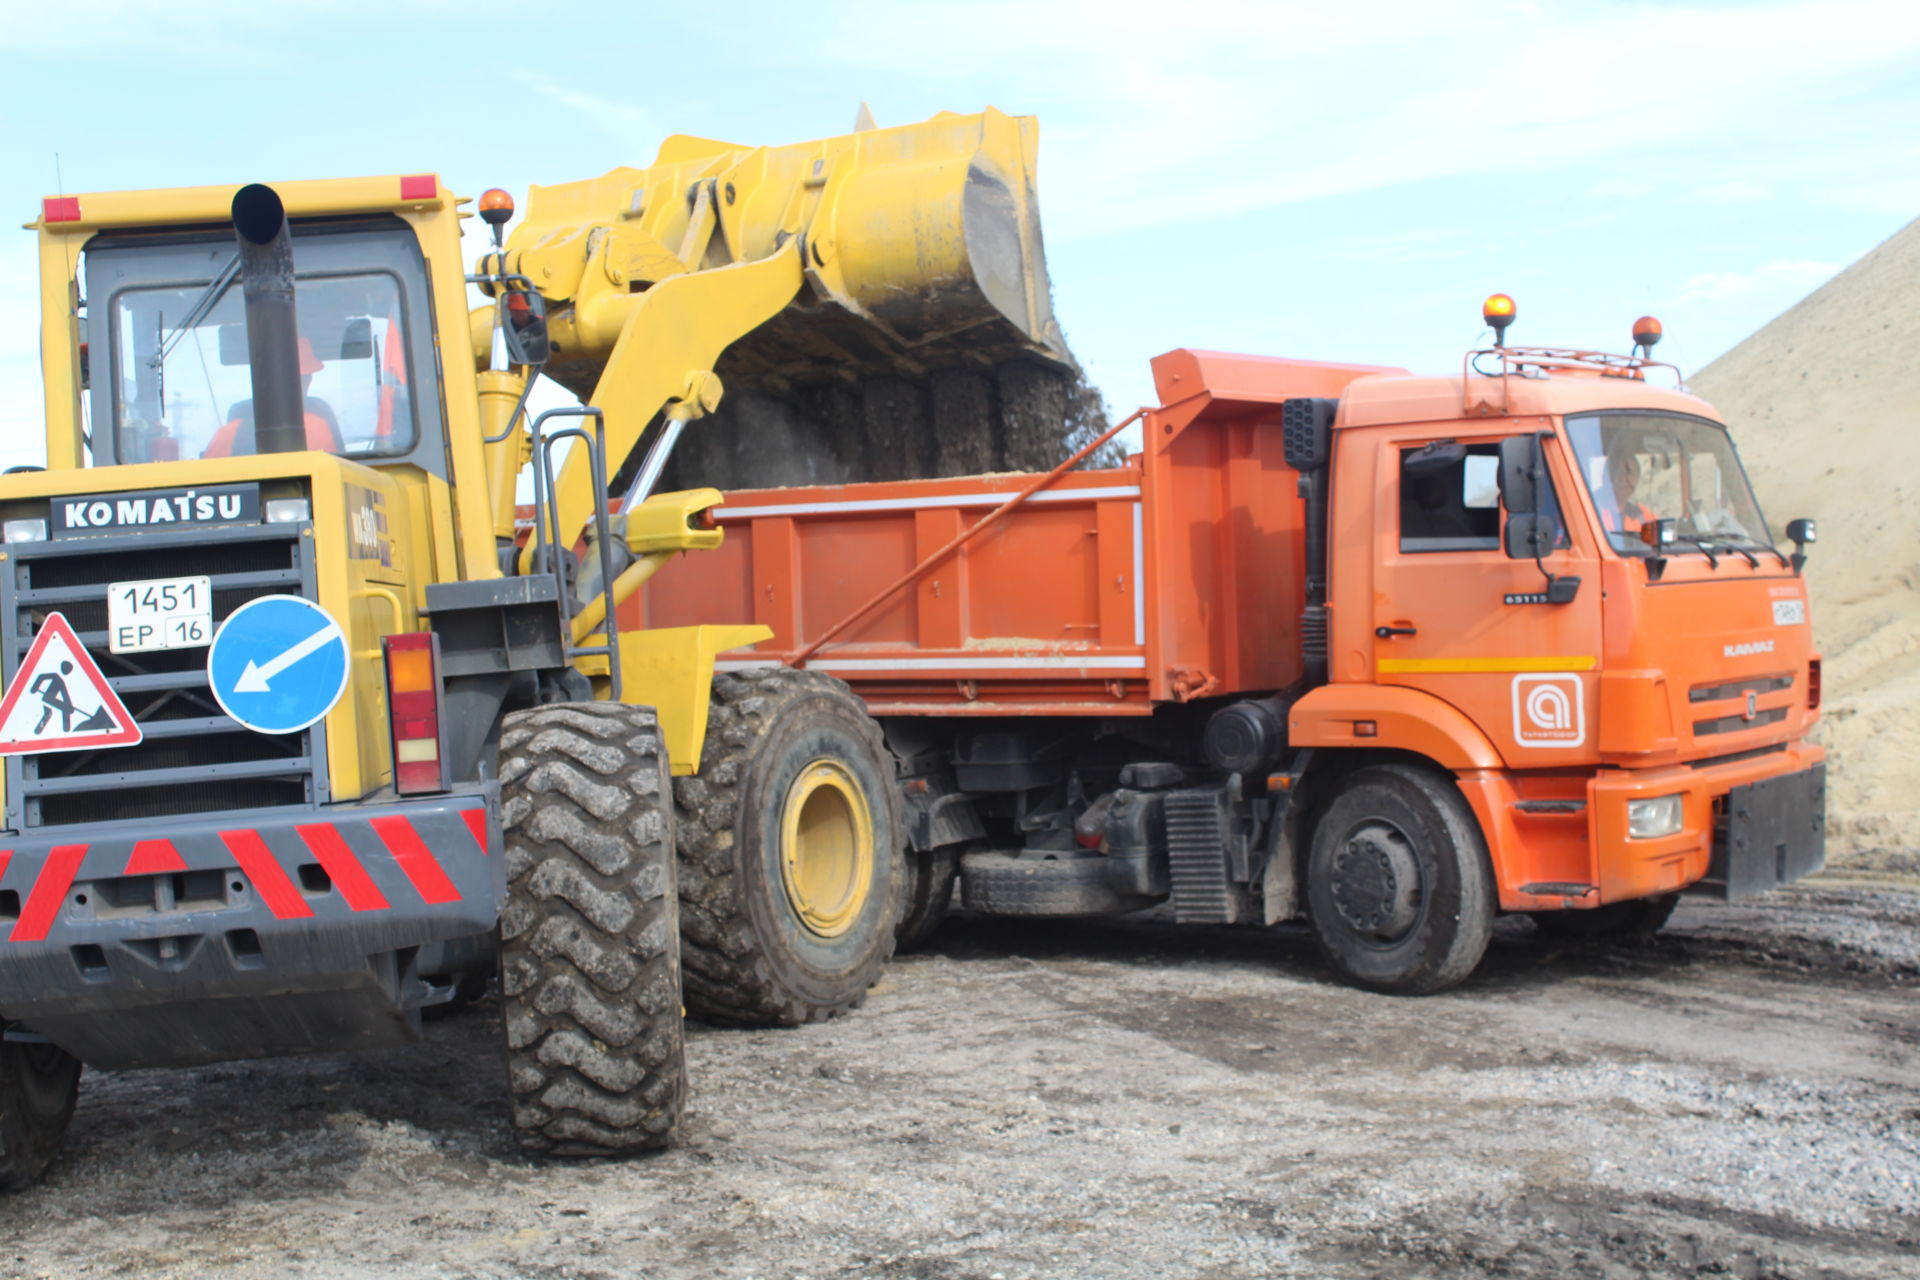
x,y
1400,890
930,878
589,952
790,841
38,1086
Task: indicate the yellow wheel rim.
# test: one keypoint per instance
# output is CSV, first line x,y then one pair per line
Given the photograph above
x,y
826,848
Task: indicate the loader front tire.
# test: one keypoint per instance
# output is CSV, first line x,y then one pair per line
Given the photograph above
x,y
38,1086
589,946
1400,890
790,840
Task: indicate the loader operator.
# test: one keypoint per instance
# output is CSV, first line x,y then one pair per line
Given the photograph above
x,y
323,425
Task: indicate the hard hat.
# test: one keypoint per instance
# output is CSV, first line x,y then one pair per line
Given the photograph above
x,y
309,362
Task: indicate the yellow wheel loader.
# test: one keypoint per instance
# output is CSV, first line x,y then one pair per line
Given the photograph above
x,y
306,730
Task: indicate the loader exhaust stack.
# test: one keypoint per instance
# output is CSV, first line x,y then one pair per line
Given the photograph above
x,y
273,332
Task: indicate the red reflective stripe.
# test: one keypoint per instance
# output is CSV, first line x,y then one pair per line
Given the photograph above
x,y
476,822
415,186
404,843
49,891
258,862
6,856
154,857
348,876
60,209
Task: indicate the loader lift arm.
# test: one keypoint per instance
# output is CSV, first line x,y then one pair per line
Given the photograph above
x,y
879,253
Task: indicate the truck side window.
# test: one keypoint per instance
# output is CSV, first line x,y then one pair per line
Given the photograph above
x,y
1454,507
1457,507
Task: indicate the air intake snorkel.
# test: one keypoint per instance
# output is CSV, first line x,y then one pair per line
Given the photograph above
x,y
273,332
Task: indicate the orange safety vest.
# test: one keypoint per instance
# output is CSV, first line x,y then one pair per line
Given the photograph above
x,y
393,379
1633,517
320,437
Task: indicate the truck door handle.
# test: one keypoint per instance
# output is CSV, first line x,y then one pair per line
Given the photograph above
x,y
1388,633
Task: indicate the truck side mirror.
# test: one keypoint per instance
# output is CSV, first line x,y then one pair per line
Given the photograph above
x,y
1520,470
356,340
523,319
1803,533
1528,536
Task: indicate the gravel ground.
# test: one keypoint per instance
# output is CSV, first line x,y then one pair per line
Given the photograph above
x,y
1739,1098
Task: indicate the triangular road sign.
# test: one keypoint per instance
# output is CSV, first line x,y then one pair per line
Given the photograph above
x,y
59,701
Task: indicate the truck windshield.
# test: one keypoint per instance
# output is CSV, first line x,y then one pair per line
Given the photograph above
x,y
188,392
1642,467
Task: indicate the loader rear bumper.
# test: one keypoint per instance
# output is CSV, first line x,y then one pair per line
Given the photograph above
x,y
240,935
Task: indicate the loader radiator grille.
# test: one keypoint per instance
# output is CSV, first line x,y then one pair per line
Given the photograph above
x,y
194,758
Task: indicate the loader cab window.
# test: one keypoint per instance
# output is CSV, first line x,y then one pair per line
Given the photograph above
x,y
179,385
1450,499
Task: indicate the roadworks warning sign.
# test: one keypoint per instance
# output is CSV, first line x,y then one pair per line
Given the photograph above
x,y
59,701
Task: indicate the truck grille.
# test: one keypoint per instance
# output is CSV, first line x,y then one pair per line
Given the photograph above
x,y
194,758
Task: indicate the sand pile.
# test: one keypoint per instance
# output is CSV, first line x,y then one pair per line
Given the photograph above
x,y
1825,402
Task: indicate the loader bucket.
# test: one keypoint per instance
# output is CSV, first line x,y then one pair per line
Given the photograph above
x,y
921,248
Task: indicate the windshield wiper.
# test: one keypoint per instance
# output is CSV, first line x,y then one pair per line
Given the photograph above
x,y
201,305
1748,540
1706,547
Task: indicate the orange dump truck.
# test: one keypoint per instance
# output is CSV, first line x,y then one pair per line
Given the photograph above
x,y
1394,653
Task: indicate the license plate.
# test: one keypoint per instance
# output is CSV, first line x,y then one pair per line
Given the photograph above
x,y
160,613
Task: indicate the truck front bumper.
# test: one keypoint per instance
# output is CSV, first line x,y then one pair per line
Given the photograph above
x,y
240,935
1748,825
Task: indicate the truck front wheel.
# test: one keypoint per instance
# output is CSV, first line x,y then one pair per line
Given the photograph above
x,y
589,946
1399,888
38,1085
790,841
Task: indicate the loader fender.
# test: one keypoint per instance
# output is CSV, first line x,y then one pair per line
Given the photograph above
x,y
671,670
1336,715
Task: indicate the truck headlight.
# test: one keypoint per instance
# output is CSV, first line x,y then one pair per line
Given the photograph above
x,y
24,530
288,511
1649,819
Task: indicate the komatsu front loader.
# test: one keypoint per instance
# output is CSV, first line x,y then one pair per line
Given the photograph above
x,y
303,734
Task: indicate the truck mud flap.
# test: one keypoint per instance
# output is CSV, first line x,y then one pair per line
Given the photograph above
x,y
1770,833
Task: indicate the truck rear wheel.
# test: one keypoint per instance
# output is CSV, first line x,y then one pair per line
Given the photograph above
x,y
1641,918
38,1086
929,892
1399,888
589,957
790,840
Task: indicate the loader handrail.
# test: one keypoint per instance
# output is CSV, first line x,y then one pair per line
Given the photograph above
x,y
806,651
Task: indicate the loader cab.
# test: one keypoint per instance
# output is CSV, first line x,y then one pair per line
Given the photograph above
x,y
168,373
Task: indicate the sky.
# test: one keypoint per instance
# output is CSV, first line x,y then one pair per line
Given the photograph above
x,y
1340,182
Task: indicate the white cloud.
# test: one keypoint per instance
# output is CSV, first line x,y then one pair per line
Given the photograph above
x,y
630,123
1241,106
1798,275
1732,192
1618,189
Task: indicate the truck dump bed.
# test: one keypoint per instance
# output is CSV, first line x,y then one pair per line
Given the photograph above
x,y
1177,576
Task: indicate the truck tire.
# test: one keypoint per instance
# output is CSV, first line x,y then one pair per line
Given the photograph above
x,y
790,840
1641,918
1007,884
1400,891
589,957
38,1086
928,894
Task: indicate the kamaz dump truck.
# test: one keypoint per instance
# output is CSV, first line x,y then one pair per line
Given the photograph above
x,y
1392,653
301,737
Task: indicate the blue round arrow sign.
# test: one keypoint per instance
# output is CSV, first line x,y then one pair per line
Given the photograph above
x,y
278,664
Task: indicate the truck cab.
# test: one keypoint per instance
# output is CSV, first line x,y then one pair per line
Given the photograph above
x,y
1620,671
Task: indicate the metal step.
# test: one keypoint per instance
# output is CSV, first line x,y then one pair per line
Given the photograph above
x,y
1197,857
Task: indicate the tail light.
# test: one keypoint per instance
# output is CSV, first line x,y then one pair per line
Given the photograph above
x,y
1813,684
413,708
